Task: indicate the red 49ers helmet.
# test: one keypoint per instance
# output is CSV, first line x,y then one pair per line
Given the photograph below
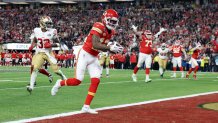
x,y
110,19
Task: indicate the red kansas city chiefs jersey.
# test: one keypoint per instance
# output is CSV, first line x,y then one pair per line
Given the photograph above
x,y
195,54
145,45
100,30
177,51
215,46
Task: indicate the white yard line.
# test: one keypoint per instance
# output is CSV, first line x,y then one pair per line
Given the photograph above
x,y
107,108
5,81
102,83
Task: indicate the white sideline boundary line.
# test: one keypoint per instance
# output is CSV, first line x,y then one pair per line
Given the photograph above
x,y
109,107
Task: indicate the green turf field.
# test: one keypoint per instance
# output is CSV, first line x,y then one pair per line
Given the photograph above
x,y
16,103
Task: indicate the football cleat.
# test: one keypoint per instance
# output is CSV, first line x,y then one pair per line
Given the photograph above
x,y
173,76
50,78
29,89
107,75
161,76
134,78
87,109
55,88
147,80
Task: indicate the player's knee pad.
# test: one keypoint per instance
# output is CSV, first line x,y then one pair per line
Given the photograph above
x,y
73,82
55,68
34,68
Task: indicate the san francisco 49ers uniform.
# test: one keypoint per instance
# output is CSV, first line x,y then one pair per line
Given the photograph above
x,y
44,54
163,57
145,52
104,58
87,56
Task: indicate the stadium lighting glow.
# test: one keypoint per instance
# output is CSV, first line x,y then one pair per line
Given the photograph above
x,y
69,2
2,3
19,3
99,0
49,2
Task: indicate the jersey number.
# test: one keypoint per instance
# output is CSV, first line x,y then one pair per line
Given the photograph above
x,y
176,50
148,43
41,42
163,54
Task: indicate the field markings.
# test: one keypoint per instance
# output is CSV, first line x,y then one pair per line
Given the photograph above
x,y
6,80
109,107
102,83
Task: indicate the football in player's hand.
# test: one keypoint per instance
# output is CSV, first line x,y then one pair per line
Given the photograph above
x,y
115,47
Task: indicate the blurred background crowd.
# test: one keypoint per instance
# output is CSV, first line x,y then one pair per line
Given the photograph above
x,y
184,20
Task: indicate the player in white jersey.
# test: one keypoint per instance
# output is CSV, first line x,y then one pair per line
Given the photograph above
x,y
104,59
44,38
163,58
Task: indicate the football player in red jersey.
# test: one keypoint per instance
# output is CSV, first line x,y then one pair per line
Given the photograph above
x,y
214,43
145,51
177,51
193,61
97,39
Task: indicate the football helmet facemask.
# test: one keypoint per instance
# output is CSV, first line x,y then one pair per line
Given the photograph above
x,y
110,19
163,46
148,34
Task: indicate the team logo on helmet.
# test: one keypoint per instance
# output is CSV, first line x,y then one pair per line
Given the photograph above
x,y
45,22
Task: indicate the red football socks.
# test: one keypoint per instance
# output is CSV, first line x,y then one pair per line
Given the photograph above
x,y
181,68
147,71
70,82
196,69
135,70
92,90
43,71
174,68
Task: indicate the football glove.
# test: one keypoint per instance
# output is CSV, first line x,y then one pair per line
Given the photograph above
x,y
47,45
116,47
134,28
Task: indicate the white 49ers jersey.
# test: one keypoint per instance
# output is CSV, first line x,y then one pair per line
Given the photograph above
x,y
43,37
163,53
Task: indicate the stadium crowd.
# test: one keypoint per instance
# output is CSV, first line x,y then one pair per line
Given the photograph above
x,y
186,21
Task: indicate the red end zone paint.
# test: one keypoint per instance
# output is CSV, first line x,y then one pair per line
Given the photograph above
x,y
184,110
